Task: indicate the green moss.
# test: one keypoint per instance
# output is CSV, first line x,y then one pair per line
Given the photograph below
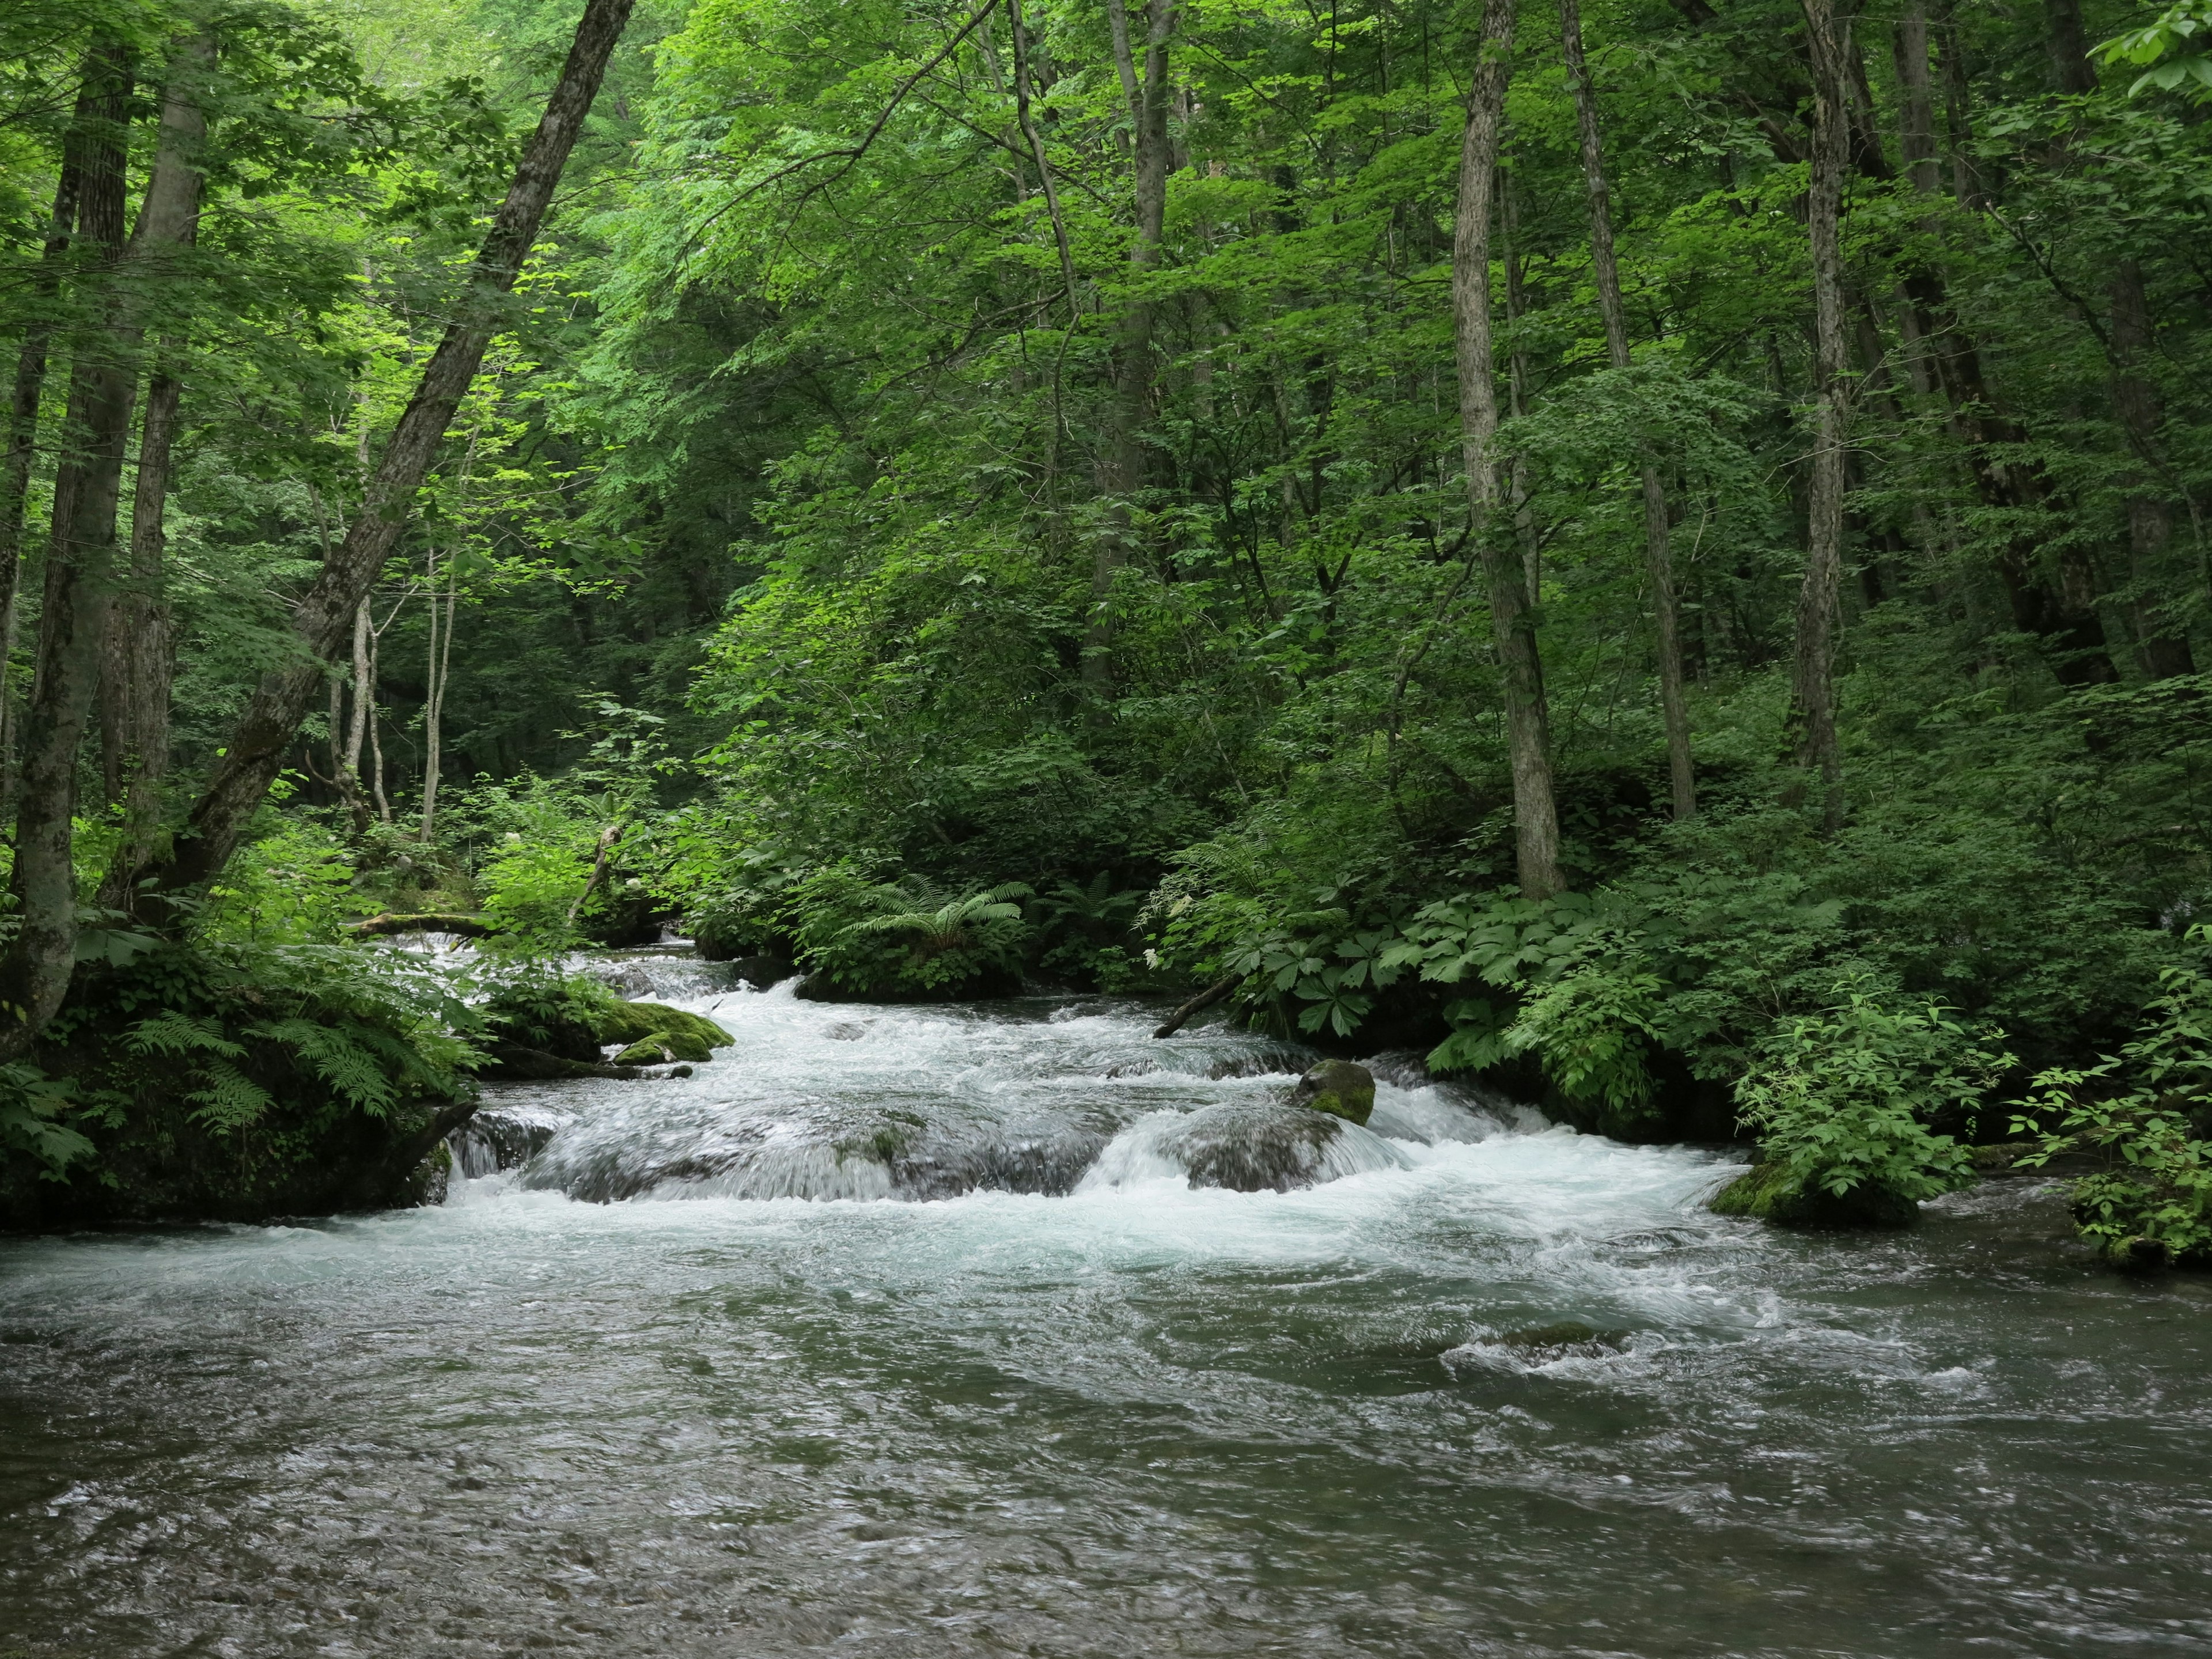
x,y
640,1022
660,1047
1338,1088
1766,1192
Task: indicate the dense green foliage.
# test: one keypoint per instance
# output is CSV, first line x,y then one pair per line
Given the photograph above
x,y
867,546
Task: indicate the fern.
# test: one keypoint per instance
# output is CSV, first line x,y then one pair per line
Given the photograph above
x,y
230,1101
172,1033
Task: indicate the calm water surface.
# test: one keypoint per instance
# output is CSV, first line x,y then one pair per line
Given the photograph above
x,y
782,1395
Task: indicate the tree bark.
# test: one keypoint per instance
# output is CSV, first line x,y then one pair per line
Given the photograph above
x,y
1535,816
95,105
1121,470
142,657
1658,556
1813,706
1036,141
35,970
271,719
433,700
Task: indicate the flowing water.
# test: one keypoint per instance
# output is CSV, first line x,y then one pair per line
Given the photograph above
x,y
907,1332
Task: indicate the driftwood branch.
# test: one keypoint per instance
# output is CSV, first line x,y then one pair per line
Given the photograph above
x,y
1198,1004
610,838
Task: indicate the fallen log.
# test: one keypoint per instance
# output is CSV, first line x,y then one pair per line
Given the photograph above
x,y
513,1062
1198,1004
428,922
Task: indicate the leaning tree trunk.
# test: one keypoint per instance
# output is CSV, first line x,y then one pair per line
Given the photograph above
x,y
1122,469
1536,816
1812,694
34,972
323,614
1658,557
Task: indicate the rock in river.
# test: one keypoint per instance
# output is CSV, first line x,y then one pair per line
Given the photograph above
x,y
1338,1088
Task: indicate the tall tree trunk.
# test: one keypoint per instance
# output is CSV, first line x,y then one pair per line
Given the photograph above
x,y
364,688
265,729
1036,141
95,104
1658,556
1535,816
1122,471
35,972
1517,388
433,701
1812,699
141,657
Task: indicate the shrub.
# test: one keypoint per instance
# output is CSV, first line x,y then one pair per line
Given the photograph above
x,y
2139,1113
1842,1099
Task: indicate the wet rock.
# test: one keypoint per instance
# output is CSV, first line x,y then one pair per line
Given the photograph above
x,y
1561,1338
1766,1192
661,1046
845,1030
496,1139
636,1022
762,972
1338,1088
1252,1148
624,979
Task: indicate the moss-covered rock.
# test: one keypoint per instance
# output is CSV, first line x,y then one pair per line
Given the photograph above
x,y
1338,1088
632,1023
1766,1192
661,1046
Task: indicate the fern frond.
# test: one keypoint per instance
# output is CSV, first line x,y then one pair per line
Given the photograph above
x,y
171,1033
231,1100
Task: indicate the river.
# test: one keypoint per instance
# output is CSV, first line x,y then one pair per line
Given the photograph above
x,y
802,1386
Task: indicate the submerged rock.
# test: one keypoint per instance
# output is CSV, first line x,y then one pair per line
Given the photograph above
x,y
1338,1088
1252,1147
1766,1192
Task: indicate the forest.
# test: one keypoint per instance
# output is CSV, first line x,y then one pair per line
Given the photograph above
x,y
1651,554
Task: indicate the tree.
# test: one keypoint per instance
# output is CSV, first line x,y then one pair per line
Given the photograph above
x,y
1536,816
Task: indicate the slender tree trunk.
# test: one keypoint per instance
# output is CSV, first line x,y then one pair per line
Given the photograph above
x,y
271,720
142,658
1535,816
364,688
22,437
1813,700
1036,152
1658,556
433,707
1123,468
1516,383
35,970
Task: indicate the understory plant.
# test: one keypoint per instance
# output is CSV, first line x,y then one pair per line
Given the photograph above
x,y
931,943
1843,1099
2141,1115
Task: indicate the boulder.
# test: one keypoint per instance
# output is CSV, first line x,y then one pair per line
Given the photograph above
x,y
1250,1147
659,1048
1767,1192
634,1022
1338,1088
